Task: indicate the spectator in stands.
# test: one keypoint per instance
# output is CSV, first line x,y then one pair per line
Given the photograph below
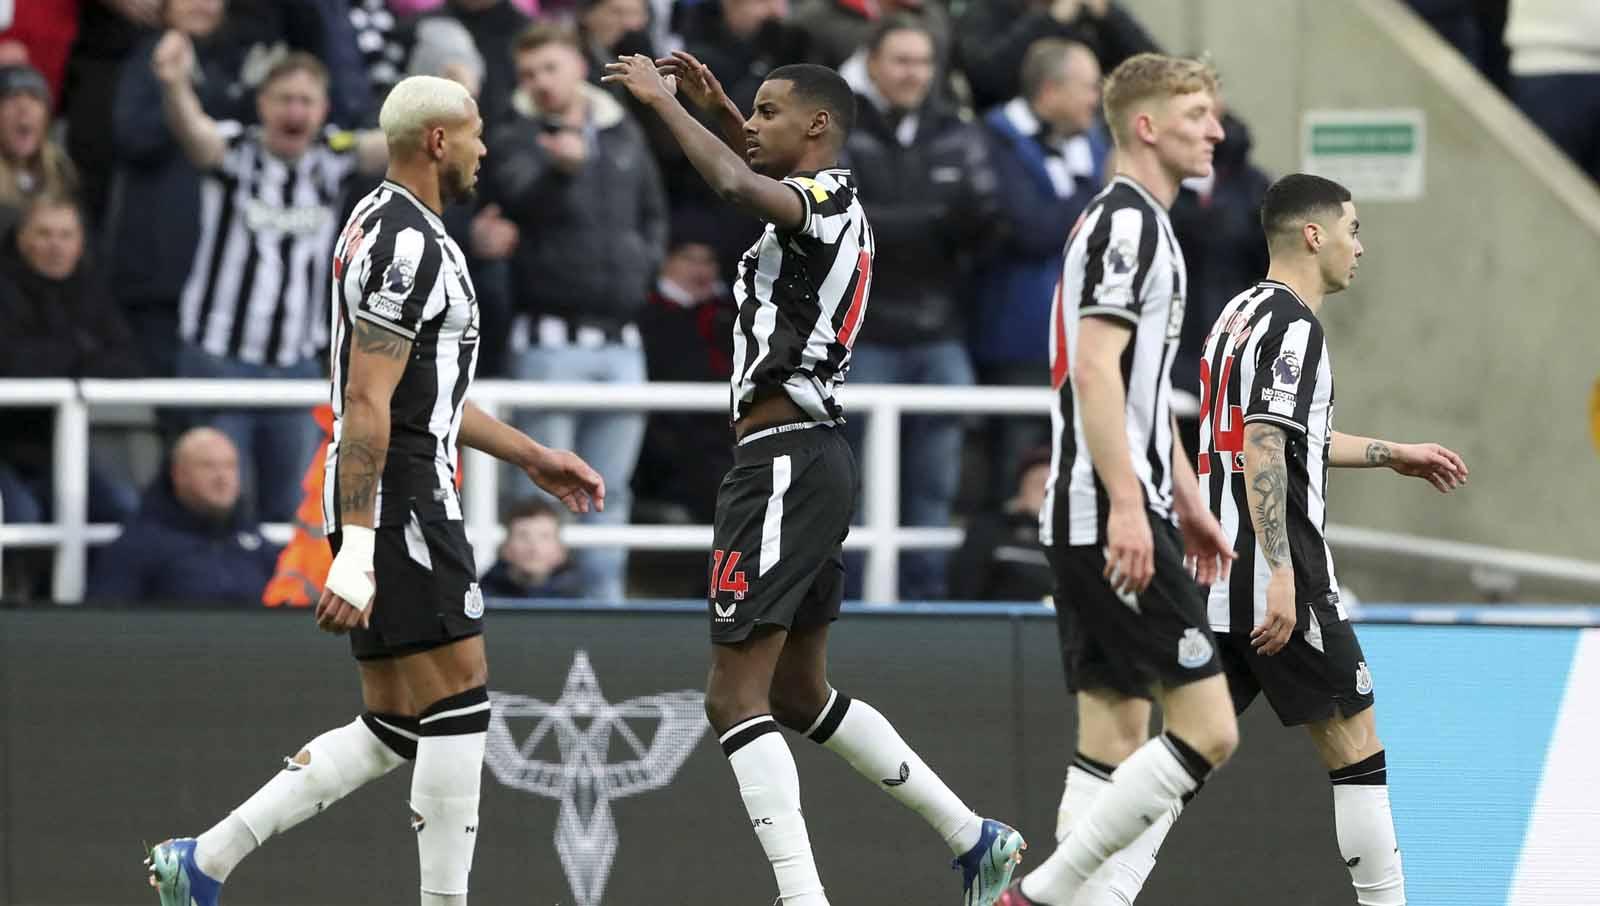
x,y
1217,220
255,303
576,177
39,35
839,29
533,561
190,540
108,31
686,328
994,35
1049,151
443,47
1000,558
927,179
59,322
155,225
384,43
1555,68
611,28
1476,29
494,25
30,162
267,29
741,41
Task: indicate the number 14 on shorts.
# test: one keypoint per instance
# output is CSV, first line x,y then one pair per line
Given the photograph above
x,y
725,575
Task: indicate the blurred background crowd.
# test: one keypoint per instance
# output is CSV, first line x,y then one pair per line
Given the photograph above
x,y
597,252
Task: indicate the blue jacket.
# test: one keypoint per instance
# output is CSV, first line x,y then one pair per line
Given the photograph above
x,y
1014,286
168,554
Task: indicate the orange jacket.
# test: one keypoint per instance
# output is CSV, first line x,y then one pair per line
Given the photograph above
x,y
303,565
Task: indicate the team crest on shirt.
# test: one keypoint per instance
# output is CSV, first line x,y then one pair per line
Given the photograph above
x,y
1286,370
1194,649
473,603
1363,679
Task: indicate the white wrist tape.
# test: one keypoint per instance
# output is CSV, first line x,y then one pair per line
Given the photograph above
x,y
350,576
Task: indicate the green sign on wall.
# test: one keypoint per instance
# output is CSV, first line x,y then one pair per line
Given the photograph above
x,y
1377,154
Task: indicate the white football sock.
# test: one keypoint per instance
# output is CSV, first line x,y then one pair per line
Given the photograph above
x,y
444,793
1086,779
1119,880
865,738
1365,828
336,763
1144,788
770,788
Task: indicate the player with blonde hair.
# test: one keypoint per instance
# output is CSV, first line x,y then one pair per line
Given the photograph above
x,y
1131,615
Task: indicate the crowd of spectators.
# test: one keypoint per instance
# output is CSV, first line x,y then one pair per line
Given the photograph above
x,y
130,129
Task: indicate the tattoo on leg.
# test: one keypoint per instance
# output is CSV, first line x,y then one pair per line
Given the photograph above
x,y
1270,489
1378,453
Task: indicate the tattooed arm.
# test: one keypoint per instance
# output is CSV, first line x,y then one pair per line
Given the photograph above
x,y
1440,466
1266,476
377,362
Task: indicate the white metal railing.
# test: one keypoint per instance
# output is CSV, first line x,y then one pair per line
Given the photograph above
x,y
881,536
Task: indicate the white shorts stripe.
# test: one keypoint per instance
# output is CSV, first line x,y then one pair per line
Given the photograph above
x,y
772,525
416,545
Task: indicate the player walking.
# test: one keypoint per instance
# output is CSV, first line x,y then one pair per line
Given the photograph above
x,y
402,583
1131,616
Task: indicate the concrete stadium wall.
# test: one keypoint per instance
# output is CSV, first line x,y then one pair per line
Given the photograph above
x,y
118,727
1474,321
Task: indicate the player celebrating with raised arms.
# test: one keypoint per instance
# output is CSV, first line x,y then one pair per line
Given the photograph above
x,y
777,571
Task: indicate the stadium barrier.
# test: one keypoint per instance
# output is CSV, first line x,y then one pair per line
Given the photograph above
x,y
882,536
604,788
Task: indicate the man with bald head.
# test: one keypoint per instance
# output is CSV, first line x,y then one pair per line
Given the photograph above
x,y
189,540
402,583
1049,151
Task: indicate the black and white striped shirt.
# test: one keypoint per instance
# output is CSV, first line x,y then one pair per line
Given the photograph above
x,y
802,296
395,267
1122,262
255,289
1266,360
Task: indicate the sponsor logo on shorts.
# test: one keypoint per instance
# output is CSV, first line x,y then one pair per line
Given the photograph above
x,y
725,614
1194,649
473,604
1363,679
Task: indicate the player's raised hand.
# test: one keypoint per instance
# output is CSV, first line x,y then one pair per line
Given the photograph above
x,y
1440,466
1273,634
696,83
1130,549
638,74
1206,549
563,475
173,58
